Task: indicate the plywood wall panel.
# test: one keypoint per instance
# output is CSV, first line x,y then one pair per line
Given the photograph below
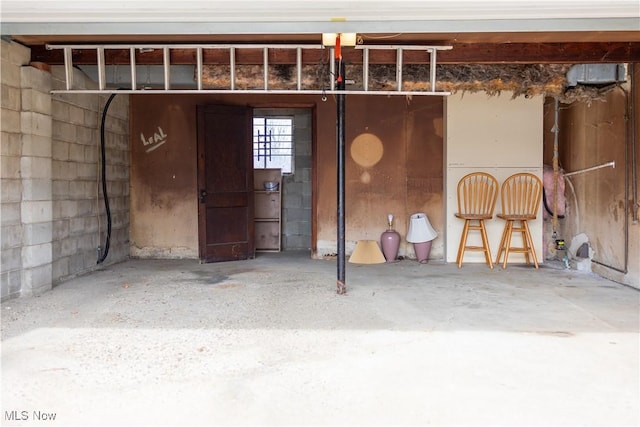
x,y
594,134
163,177
406,179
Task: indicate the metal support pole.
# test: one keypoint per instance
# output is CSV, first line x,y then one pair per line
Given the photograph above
x,y
634,167
340,139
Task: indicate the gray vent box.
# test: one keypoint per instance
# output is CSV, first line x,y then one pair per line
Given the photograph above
x,y
596,74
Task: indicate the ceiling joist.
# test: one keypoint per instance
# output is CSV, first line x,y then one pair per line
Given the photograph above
x,y
462,53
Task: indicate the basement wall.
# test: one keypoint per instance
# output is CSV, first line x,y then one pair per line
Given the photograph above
x,y
49,178
164,203
499,135
406,178
599,203
79,215
394,165
13,57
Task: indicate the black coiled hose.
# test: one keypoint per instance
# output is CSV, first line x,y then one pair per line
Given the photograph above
x,y
107,209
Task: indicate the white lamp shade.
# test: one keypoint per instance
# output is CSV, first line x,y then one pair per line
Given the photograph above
x,y
420,229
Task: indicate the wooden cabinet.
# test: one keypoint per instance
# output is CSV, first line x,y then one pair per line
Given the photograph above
x,y
268,210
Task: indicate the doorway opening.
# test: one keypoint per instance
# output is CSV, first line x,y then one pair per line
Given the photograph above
x,y
291,150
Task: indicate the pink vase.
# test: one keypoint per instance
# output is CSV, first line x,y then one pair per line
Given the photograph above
x,y
390,242
422,250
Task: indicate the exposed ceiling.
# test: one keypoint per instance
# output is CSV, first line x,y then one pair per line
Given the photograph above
x,y
295,16
498,31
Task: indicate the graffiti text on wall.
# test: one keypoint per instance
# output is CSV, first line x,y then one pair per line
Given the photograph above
x,y
154,141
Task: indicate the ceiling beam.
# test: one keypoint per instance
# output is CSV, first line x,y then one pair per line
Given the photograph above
x,y
462,53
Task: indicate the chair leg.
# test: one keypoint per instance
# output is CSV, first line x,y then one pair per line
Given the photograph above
x,y
485,244
532,248
525,242
463,243
507,243
502,240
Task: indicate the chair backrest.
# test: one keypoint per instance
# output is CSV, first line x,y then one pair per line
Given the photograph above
x,y
521,194
477,194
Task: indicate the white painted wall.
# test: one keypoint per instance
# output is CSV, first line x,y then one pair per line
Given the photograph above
x,y
498,135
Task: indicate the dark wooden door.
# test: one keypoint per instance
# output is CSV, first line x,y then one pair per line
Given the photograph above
x,y
225,183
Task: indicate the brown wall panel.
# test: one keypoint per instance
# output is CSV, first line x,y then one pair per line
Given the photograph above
x,y
599,202
406,179
163,176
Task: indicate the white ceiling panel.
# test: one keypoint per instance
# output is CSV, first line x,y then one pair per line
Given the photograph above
x,y
296,16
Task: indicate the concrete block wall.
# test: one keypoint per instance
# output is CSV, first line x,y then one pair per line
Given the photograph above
x,y
79,218
296,196
35,165
13,58
296,187
52,213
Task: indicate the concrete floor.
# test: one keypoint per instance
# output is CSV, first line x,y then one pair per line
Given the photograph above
x,y
268,341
